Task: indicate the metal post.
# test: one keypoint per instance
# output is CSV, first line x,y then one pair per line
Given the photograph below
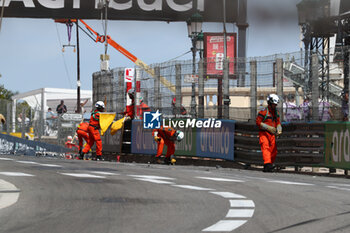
x,y
253,90
120,93
138,92
226,85
178,87
78,70
22,123
8,117
315,85
14,107
242,28
157,88
279,74
219,98
193,95
201,89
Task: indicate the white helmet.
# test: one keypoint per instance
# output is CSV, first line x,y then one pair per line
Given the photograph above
x,y
273,99
69,138
100,104
180,135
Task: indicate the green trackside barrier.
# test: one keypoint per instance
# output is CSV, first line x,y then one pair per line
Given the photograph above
x,y
337,145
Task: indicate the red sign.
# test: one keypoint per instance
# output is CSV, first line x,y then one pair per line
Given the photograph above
x,y
214,52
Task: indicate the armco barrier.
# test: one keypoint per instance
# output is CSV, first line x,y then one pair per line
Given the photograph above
x,y
14,145
299,144
201,142
112,143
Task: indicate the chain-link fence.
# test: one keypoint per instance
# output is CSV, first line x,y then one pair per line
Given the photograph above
x,y
24,122
206,87
234,89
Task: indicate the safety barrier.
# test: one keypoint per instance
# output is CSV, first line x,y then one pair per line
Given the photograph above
x,y
316,144
198,142
300,144
15,145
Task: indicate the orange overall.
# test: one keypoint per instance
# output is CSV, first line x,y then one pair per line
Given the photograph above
x,y
142,108
267,140
166,136
94,134
82,132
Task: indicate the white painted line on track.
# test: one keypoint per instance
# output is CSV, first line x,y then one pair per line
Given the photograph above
x,y
49,165
7,159
240,213
339,188
219,179
8,194
15,174
288,182
105,173
225,225
242,203
228,195
152,177
155,181
27,162
82,175
348,185
192,187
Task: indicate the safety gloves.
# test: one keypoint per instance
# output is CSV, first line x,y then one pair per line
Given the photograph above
x,y
157,139
279,130
269,128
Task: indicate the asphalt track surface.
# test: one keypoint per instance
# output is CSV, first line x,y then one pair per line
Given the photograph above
x,y
57,195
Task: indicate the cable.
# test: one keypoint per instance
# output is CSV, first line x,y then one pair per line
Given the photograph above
x,y
104,21
89,35
179,56
2,13
64,60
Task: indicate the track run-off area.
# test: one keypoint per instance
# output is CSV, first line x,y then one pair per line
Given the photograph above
x,y
39,194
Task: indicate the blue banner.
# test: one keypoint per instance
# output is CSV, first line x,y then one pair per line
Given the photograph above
x,y
141,139
14,145
199,141
216,142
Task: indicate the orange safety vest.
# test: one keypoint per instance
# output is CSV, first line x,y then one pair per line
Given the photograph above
x,y
95,119
268,117
166,133
83,126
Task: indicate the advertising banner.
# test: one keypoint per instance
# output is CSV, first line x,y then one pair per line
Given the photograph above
x,y
142,141
188,145
337,145
162,10
214,52
198,141
217,142
14,145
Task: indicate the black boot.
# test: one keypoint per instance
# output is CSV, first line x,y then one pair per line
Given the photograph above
x,y
268,167
81,155
167,161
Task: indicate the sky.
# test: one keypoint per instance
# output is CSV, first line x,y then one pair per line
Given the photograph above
x,y
31,54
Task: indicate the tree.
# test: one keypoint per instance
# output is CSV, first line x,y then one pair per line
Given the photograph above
x,y
6,94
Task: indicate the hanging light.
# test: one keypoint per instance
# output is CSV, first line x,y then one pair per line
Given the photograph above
x,y
200,42
194,24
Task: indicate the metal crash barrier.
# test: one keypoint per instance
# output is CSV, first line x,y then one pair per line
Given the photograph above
x,y
300,144
15,145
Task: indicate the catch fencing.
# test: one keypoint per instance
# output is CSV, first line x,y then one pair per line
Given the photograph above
x,y
233,89
201,87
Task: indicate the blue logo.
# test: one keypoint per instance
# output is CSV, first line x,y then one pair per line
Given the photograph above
x,y
151,120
